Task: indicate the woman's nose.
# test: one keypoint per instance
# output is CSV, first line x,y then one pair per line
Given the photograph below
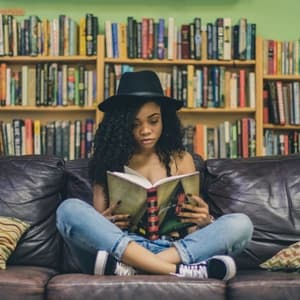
x,y
145,130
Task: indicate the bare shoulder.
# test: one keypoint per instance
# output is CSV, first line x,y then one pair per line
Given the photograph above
x,y
185,163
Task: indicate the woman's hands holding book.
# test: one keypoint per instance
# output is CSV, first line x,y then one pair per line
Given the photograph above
x,y
120,220
197,213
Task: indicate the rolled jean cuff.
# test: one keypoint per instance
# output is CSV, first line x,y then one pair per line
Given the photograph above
x,y
120,247
185,255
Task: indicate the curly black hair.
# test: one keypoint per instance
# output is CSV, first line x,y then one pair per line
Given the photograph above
x,y
114,143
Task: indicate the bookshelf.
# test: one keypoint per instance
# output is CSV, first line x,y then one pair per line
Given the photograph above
x,y
210,116
190,115
49,77
281,82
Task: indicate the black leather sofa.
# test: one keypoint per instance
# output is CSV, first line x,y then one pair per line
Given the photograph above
x,y
267,189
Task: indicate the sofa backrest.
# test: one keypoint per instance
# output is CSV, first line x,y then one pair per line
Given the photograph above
x,y
78,186
267,189
31,191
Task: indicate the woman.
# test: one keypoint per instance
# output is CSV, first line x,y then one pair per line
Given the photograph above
x,y
140,129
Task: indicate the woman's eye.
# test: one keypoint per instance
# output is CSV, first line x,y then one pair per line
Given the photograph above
x,y
154,121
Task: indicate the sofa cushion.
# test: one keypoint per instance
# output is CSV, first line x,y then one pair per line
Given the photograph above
x,y
30,190
267,189
24,282
79,286
11,230
261,284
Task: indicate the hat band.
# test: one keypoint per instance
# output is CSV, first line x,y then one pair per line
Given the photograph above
x,y
143,94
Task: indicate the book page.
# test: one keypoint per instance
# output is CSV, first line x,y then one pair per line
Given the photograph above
x,y
128,170
133,178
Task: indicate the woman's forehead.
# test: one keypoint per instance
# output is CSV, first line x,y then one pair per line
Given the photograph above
x,y
148,109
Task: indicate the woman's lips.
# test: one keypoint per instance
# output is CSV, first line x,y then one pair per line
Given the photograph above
x,y
146,141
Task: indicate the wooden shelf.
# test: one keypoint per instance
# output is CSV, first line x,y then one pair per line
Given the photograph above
x,y
281,77
281,127
51,109
218,110
35,59
135,61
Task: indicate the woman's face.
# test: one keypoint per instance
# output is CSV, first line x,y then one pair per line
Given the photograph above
x,y
147,126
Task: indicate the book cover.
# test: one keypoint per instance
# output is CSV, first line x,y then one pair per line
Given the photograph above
x,y
153,207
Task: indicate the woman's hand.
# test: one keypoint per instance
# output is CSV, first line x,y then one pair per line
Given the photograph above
x,y
197,214
120,220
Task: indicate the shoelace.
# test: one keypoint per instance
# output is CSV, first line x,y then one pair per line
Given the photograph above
x,y
124,270
193,271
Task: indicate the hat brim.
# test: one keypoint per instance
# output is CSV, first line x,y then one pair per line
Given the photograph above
x,y
118,101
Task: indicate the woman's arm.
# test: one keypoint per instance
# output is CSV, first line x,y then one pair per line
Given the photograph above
x,y
100,201
101,204
198,214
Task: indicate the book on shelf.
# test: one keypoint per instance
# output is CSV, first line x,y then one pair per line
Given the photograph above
x,y
227,36
153,207
197,38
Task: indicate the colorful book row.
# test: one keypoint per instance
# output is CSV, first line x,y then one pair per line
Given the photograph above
x,y
227,140
48,84
163,39
60,36
281,57
213,86
281,102
66,139
281,143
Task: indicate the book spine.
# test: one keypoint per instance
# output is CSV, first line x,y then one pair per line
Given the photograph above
x,y
192,40
89,34
171,30
185,43
130,41
145,35
197,38
160,43
152,214
115,47
3,91
61,21
108,39
227,38
82,38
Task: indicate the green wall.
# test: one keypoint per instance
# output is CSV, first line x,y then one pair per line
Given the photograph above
x,y
275,19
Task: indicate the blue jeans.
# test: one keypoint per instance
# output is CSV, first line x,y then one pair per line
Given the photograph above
x,y
86,231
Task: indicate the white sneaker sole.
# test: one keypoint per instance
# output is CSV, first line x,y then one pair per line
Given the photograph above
x,y
230,265
100,263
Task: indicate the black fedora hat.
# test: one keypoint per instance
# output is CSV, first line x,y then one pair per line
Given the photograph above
x,y
135,87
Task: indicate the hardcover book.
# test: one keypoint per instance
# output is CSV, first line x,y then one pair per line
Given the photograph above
x,y
153,208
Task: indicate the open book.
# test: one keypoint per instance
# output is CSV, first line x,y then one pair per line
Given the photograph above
x,y
153,207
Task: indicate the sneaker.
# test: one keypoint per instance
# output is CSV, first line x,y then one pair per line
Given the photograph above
x,y
106,264
218,267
